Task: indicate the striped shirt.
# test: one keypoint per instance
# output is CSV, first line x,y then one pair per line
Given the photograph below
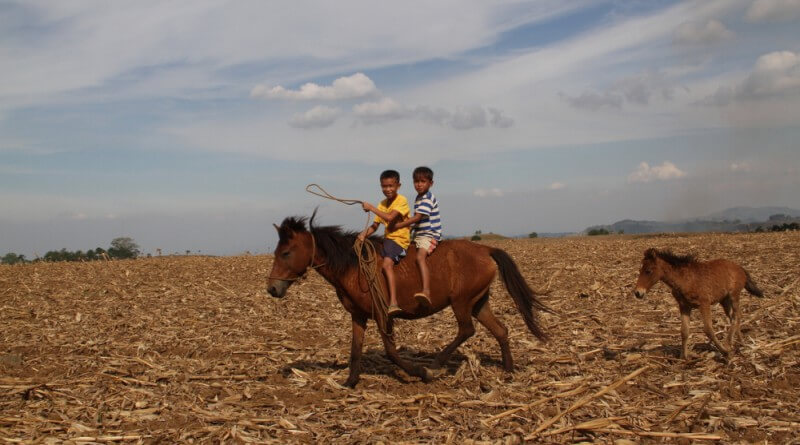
x,y
430,225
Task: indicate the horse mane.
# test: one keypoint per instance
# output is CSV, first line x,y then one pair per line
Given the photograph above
x,y
671,258
333,240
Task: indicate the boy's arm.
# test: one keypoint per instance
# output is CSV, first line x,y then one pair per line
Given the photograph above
x,y
368,231
410,221
388,217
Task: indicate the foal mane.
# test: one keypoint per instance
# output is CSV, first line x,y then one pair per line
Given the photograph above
x,y
671,258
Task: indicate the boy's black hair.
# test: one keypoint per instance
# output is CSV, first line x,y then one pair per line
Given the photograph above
x,y
423,171
388,174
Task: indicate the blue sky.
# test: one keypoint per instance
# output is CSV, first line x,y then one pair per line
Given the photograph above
x,y
196,125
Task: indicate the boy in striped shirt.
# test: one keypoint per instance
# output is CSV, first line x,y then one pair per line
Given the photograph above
x,y
427,227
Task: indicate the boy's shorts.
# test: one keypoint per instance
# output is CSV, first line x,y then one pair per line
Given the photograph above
x,y
426,243
393,250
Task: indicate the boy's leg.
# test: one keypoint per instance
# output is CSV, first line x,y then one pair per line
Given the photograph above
x,y
422,263
388,270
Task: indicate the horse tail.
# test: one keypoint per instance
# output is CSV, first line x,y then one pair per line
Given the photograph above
x,y
523,295
751,287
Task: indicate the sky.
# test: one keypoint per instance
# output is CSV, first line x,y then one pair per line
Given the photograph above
x,y
196,125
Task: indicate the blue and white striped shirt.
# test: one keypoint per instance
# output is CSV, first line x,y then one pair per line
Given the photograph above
x,y
430,225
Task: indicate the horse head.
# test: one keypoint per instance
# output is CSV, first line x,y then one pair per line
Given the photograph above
x,y
294,254
649,274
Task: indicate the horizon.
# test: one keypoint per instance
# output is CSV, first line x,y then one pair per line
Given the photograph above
x,y
196,126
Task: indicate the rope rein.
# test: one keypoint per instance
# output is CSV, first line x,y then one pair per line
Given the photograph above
x,y
367,263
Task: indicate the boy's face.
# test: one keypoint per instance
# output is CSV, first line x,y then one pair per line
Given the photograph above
x,y
422,184
389,188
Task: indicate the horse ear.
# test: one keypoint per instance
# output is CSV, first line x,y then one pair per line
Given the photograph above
x,y
276,227
650,253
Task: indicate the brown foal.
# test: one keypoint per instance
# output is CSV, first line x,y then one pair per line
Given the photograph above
x,y
698,284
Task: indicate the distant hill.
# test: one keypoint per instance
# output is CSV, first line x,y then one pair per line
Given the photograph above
x,y
737,219
751,214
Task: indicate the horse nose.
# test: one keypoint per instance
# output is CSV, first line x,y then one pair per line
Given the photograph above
x,y
273,290
638,293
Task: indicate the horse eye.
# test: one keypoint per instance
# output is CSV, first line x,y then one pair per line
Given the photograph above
x,y
648,271
285,254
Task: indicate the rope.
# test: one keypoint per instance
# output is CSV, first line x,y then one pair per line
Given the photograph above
x,y
367,264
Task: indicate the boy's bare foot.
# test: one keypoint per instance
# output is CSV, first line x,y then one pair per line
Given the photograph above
x,y
422,298
393,310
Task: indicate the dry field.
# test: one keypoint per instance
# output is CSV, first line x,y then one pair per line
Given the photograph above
x,y
191,349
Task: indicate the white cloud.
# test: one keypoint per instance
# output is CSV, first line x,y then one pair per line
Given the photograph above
x,y
384,110
743,167
463,118
773,11
556,186
702,33
483,193
645,173
636,89
775,74
499,119
593,101
351,87
317,117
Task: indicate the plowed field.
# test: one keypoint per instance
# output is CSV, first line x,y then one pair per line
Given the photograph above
x,y
192,349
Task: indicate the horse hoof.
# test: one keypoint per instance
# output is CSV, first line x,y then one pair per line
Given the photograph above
x,y
350,383
431,374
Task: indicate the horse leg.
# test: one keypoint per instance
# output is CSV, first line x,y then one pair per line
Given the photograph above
x,y
359,326
727,305
685,312
488,320
465,330
736,321
705,312
394,356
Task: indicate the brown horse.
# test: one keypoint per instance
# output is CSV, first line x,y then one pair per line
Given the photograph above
x,y
461,273
697,284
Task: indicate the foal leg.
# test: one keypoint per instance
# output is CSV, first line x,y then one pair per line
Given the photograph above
x,y
359,326
727,305
466,329
394,356
736,321
685,312
488,320
705,312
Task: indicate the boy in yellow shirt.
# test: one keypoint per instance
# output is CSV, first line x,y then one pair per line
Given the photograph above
x,y
393,209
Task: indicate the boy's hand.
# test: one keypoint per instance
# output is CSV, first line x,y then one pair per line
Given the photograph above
x,y
362,236
366,206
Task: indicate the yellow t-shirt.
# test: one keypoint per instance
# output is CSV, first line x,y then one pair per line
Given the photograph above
x,y
401,236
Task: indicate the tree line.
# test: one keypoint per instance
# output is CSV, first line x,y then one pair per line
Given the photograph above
x,y
120,248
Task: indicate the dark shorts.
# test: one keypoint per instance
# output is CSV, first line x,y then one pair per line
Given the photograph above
x,y
393,250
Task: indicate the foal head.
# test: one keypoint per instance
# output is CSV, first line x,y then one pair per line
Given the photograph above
x,y
293,255
655,264
650,272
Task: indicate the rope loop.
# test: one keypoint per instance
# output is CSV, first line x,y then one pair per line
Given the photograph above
x,y
367,264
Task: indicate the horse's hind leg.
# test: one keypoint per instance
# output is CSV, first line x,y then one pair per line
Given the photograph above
x,y
488,320
705,313
466,329
394,356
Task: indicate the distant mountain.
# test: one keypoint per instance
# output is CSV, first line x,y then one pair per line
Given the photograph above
x,y
751,214
737,219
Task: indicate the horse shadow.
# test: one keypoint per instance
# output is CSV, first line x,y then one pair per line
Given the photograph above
x,y
375,362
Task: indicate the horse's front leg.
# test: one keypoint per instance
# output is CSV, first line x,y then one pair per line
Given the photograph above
x,y
394,356
359,327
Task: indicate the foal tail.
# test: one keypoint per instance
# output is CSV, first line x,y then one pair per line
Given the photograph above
x,y
523,295
751,287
